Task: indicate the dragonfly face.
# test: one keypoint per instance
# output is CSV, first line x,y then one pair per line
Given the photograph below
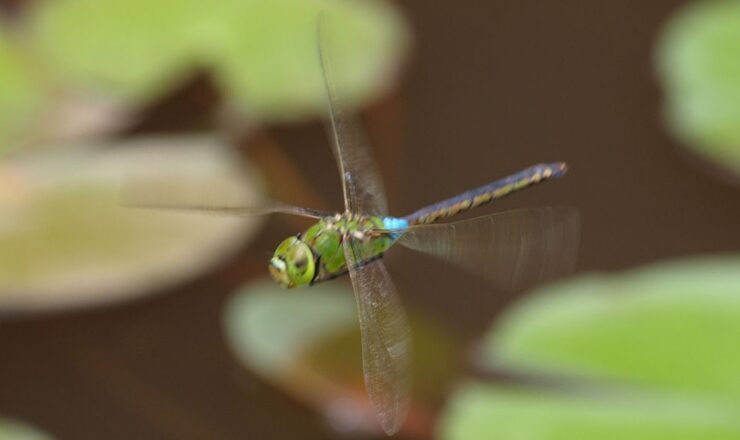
x,y
293,263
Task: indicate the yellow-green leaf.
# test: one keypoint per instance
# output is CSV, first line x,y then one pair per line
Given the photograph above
x,y
698,58
65,238
673,326
270,63
16,430
481,411
307,342
20,97
646,354
263,53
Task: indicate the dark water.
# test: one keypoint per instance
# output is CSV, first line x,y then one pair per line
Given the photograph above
x,y
491,87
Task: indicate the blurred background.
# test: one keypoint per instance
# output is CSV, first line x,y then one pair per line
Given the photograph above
x,y
121,323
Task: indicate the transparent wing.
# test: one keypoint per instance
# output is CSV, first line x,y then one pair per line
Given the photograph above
x,y
361,183
209,197
386,343
513,249
237,211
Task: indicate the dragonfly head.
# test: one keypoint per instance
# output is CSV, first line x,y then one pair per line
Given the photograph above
x,y
293,264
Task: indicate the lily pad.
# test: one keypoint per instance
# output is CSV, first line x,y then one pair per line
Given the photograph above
x,y
698,58
672,326
16,430
481,411
270,66
65,238
269,327
308,343
131,49
20,98
263,52
651,353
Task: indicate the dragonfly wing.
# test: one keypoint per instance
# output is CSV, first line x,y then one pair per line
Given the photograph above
x,y
197,196
385,334
235,211
361,183
513,249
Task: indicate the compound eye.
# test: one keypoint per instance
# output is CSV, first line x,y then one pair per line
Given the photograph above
x,y
301,265
301,262
301,258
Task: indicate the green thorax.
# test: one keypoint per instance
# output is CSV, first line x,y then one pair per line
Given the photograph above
x,y
326,236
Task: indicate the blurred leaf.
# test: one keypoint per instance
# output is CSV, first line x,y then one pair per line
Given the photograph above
x,y
262,51
338,355
651,354
269,327
698,57
20,98
15,430
129,48
672,326
69,118
308,343
270,62
66,240
482,412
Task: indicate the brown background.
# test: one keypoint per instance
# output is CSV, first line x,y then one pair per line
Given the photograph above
x,y
491,87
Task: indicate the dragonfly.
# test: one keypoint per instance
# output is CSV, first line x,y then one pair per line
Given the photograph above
x,y
512,248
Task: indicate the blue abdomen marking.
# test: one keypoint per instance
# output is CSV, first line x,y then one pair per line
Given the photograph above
x,y
395,224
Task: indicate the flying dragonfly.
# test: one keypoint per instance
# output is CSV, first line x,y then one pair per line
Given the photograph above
x,y
513,248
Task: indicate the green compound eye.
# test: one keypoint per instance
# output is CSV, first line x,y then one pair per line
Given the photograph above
x,y
300,264
293,264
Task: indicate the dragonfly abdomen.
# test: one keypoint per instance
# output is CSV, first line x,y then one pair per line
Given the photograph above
x,y
486,193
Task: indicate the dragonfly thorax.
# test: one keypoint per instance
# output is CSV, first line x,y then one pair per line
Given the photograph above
x,y
318,253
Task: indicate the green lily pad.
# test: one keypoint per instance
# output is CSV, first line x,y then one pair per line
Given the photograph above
x,y
269,327
308,343
65,238
20,98
481,411
263,52
15,430
270,63
698,58
132,49
651,353
672,326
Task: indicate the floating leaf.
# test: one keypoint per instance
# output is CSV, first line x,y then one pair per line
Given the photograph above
x,y
651,354
698,57
269,327
15,430
263,52
270,62
20,98
132,49
65,239
673,326
308,343
74,118
480,411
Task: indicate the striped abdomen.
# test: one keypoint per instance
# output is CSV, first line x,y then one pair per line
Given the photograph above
x,y
486,193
